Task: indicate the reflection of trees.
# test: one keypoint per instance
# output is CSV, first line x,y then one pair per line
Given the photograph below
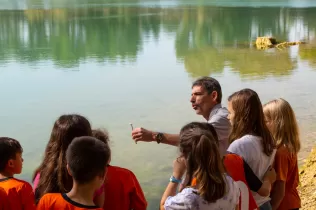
x,y
254,63
68,36
247,62
308,53
203,62
211,37
116,34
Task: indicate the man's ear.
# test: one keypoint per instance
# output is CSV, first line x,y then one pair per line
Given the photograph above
x,y
69,172
214,96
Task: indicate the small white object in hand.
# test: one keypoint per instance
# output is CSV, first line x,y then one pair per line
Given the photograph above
x,y
132,129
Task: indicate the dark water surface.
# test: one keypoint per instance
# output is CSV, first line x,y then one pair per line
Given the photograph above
x,y
118,62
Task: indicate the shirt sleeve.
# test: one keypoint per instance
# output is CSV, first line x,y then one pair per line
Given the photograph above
x,y
27,197
281,165
185,200
138,201
253,181
221,125
244,148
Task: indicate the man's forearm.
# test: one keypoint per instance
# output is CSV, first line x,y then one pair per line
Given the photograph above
x,y
171,139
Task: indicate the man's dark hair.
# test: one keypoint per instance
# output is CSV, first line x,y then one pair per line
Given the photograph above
x,y
87,158
8,149
209,84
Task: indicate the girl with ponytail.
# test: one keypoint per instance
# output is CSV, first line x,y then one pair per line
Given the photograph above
x,y
208,186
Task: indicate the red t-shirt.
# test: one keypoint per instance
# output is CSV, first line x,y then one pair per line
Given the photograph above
x,y
4,201
239,170
122,190
19,193
57,201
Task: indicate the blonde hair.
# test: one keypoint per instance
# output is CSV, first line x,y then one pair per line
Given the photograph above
x,y
284,128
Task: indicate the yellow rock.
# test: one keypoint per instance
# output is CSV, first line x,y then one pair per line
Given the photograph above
x,y
266,42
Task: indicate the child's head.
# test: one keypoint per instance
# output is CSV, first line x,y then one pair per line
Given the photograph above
x,y
54,176
87,158
101,134
10,156
281,121
246,116
199,146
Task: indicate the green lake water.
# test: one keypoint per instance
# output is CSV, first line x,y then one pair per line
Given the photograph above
x,y
121,62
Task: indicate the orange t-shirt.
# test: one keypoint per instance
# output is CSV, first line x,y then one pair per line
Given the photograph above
x,y
4,203
52,201
122,190
20,193
286,168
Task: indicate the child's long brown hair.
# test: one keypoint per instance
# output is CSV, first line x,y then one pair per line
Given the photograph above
x,y
283,125
200,148
249,119
54,177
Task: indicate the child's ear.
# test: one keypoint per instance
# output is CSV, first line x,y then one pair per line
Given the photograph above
x,y
69,172
10,163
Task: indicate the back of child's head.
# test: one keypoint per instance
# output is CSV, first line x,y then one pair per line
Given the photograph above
x,y
8,149
53,172
87,158
202,126
199,146
282,123
248,118
101,134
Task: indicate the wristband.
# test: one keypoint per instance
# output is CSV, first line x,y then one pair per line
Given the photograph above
x,y
175,180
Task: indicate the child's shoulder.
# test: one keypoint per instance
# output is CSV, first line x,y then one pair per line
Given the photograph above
x,y
22,183
283,150
120,171
51,198
18,183
284,153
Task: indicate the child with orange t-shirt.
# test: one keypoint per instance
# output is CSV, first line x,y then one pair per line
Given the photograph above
x,y
87,159
121,190
19,193
4,204
281,121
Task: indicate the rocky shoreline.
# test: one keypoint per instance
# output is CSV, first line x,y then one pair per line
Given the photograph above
x,y
307,186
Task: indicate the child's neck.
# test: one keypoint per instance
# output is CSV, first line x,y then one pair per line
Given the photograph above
x,y
82,194
5,174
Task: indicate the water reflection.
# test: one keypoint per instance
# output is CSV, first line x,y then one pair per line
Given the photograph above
x,y
206,38
308,53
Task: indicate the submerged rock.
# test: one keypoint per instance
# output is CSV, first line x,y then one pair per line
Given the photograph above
x,y
270,42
